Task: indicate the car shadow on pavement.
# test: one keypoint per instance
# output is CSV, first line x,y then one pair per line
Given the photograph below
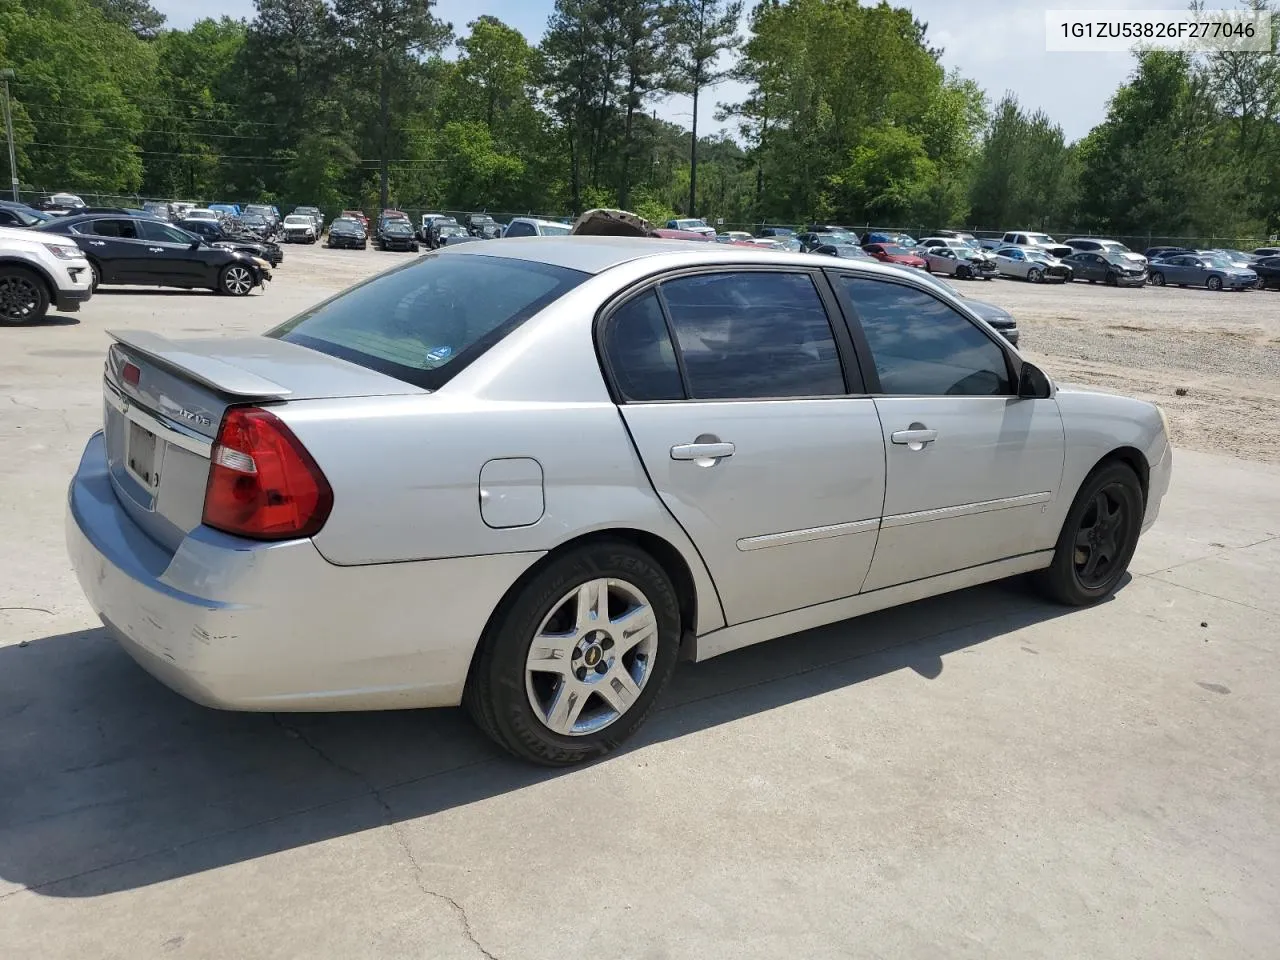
x,y
152,292
53,320
110,782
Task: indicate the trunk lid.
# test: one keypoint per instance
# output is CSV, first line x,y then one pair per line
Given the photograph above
x,y
163,402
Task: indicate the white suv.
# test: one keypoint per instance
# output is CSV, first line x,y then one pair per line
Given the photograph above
x,y
532,227
39,270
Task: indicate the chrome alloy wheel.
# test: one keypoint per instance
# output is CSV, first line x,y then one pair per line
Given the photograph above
x,y
238,281
591,657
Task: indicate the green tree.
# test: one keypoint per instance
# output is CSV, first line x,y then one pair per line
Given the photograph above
x,y
385,42
701,30
137,15
80,81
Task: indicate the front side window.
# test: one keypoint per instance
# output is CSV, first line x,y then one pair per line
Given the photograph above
x,y
426,321
753,335
520,229
922,346
164,233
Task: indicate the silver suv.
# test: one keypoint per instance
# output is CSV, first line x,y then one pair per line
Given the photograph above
x,y
39,271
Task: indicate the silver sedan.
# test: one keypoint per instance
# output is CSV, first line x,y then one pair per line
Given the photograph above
x,y
533,476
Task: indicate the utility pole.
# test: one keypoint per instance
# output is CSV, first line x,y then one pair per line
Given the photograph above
x,y
6,75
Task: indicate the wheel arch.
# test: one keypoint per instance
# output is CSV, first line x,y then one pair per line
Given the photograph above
x,y
34,268
667,555
1133,458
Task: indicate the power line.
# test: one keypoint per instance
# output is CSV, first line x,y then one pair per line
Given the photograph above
x,y
40,108
162,153
142,133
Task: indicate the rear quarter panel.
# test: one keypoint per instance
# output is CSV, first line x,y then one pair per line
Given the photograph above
x,y
405,470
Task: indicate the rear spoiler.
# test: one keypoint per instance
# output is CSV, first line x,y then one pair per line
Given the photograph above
x,y
218,376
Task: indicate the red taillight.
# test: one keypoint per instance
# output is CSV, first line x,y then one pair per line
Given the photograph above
x,y
262,482
130,374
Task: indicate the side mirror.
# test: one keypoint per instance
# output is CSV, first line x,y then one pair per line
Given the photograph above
x,y
195,245
1033,384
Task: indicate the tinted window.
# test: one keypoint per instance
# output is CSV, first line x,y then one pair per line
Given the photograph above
x,y
922,346
426,321
750,335
638,347
155,230
520,229
115,228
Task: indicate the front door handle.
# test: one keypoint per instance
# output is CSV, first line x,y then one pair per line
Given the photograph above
x,y
915,437
709,452
155,249
97,243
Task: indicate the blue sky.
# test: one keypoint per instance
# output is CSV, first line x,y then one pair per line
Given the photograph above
x,y
998,44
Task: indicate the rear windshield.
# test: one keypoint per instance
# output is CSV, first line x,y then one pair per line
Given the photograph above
x,y
424,322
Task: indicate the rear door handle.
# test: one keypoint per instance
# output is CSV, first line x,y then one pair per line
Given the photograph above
x,y
914,438
155,249
97,243
702,451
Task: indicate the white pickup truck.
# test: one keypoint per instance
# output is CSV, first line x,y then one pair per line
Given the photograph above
x,y
38,271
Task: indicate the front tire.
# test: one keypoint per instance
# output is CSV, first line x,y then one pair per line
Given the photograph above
x,y
1214,283
571,664
1098,537
24,298
964,273
1157,279
1034,275
235,280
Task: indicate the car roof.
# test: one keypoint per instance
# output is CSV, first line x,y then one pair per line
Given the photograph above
x,y
595,255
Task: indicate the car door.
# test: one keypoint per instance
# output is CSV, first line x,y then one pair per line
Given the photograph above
x,y
971,467
732,384
171,258
117,249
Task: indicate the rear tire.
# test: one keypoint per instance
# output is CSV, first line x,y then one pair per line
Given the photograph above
x,y
24,297
1098,537
569,712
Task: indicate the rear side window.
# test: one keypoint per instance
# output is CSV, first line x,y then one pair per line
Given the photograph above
x,y
429,319
753,335
638,347
115,228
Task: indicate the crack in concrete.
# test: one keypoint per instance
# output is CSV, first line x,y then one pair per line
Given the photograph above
x,y
1210,556
397,831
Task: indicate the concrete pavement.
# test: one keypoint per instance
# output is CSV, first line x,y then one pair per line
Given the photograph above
x,y
978,775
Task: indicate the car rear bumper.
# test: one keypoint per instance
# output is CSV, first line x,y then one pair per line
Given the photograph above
x,y
244,625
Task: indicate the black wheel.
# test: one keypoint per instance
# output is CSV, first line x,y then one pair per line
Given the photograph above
x,y
964,273
570,666
1157,279
96,276
1112,280
1098,538
24,298
1035,275
1214,283
235,280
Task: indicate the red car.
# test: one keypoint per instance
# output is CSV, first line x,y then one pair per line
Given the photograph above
x,y
892,253
682,235
357,215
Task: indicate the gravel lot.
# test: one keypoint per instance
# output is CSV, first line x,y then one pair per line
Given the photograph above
x,y
1223,349
976,775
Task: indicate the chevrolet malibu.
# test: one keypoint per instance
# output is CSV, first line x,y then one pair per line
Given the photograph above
x,y
532,476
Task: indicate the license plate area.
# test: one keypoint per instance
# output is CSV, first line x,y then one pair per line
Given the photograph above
x,y
144,453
